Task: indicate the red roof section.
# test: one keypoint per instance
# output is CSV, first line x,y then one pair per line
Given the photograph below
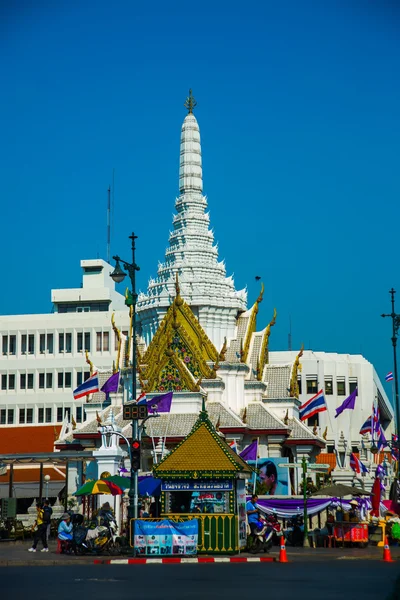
x,y
32,474
327,458
23,440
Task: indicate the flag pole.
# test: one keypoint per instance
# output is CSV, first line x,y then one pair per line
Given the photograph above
x,y
255,475
165,437
152,439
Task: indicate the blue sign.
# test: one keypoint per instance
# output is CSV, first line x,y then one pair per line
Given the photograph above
x,y
196,486
166,538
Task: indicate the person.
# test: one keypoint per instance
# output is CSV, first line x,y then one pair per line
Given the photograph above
x,y
41,530
268,476
252,514
47,512
65,528
354,513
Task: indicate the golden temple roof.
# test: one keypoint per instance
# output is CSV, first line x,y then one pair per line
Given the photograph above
x,y
203,454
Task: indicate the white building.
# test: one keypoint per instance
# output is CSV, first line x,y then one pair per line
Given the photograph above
x,y
43,356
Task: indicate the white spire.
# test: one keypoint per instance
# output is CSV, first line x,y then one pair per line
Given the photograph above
x,y
192,253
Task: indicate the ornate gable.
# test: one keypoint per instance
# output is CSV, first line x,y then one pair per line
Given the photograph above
x,y
180,349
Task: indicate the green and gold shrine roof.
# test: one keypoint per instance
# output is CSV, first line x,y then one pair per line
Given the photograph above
x,y
203,454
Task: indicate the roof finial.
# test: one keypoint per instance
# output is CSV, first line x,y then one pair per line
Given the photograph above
x,y
190,103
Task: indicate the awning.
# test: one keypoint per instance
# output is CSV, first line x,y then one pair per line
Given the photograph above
x,y
31,490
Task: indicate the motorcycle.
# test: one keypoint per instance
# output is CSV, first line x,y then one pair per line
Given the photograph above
x,y
295,533
267,528
103,537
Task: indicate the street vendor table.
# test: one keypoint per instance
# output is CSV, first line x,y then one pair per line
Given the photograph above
x,y
351,532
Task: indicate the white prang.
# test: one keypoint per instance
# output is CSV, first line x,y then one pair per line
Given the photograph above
x,y
192,254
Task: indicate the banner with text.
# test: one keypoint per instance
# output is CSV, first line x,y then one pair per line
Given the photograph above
x,y
166,538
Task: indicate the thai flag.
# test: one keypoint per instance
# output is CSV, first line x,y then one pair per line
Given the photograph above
x,y
367,427
389,376
90,386
142,399
357,465
315,405
233,445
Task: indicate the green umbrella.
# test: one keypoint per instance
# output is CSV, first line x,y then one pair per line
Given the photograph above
x,y
122,482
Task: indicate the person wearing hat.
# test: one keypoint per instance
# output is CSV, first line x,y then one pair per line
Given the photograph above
x,y
354,513
65,528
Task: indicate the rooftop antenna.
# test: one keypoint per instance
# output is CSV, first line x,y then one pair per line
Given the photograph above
x,y
108,224
290,334
112,205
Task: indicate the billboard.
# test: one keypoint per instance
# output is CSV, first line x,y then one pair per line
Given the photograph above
x,y
165,538
272,480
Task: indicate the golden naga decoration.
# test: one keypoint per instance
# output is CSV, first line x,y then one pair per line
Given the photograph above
x,y
89,362
222,354
190,103
264,352
325,434
294,384
73,423
251,326
56,436
98,419
118,336
286,418
244,416
315,428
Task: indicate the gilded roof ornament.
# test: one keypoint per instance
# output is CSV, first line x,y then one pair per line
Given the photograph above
x,y
190,103
178,300
286,418
325,434
89,362
118,336
294,384
261,294
222,354
264,352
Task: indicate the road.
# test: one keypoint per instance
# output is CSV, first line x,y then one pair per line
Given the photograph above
x,y
346,580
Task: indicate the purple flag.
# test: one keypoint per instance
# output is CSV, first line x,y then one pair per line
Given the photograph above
x,y
162,404
382,442
348,403
111,385
250,453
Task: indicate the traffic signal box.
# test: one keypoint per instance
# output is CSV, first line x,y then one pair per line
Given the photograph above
x,y
135,453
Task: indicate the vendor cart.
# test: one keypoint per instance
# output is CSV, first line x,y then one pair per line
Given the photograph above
x,y
352,533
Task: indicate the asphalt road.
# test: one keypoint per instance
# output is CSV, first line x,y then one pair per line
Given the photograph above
x,y
346,580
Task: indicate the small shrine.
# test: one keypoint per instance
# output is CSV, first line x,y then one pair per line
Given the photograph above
x,y
204,478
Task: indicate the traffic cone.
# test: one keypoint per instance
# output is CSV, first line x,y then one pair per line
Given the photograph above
x,y
386,552
282,553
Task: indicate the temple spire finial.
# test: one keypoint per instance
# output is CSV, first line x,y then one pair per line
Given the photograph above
x,y
190,103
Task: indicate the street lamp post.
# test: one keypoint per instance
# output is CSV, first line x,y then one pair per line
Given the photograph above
x,y
47,479
395,329
118,275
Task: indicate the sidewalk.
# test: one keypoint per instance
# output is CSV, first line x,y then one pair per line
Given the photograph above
x,y
16,554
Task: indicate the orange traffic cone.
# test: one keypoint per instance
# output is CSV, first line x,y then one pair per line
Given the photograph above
x,y
282,554
386,552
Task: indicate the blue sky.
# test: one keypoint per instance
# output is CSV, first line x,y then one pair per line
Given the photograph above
x,y
298,105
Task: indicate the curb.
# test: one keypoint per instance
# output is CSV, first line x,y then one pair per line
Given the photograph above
x,y
176,560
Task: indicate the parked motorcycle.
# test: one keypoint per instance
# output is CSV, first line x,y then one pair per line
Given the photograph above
x,y
295,532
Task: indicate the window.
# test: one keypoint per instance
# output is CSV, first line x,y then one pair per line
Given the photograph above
x,y
24,339
42,343
299,383
59,414
61,340
102,341
49,380
22,415
5,344
48,415
313,421
11,381
4,382
68,380
79,414
341,386
46,343
352,384
328,386
80,339
41,415
312,384
31,344
10,416
65,342
50,346
3,416
67,412
30,381
60,378
79,378
13,344
22,381
29,415
41,381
